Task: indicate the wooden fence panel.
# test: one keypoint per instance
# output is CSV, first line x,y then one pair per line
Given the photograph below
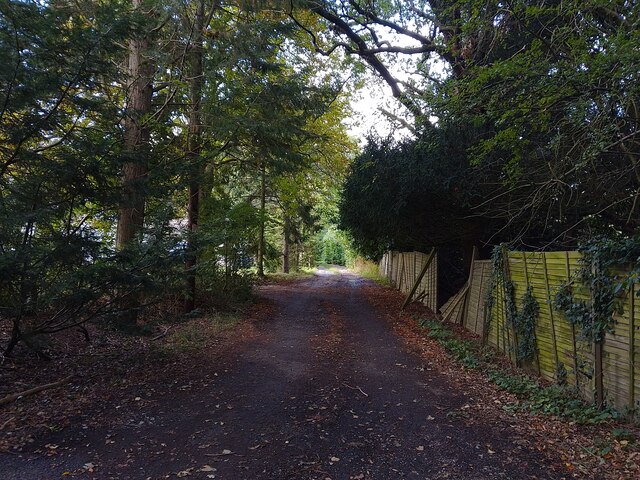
x,y
452,309
428,288
395,262
563,355
495,335
429,283
620,359
403,270
584,350
474,319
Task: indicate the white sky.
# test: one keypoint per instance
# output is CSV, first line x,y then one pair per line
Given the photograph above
x,y
366,105
377,94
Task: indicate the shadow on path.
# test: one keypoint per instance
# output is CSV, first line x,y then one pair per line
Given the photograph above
x,y
326,392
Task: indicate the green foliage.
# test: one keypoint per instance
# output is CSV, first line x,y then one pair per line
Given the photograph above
x,y
500,281
524,321
601,261
410,195
623,434
561,374
577,312
333,247
552,400
554,92
58,164
226,237
367,269
265,105
542,100
524,324
461,350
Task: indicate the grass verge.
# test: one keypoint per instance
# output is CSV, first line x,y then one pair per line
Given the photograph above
x,y
302,273
369,270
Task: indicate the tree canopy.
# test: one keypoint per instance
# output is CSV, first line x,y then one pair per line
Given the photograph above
x,y
538,101
144,146
152,148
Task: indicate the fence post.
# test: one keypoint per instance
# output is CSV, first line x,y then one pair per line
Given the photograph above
x,y
481,301
599,381
508,327
465,307
597,358
573,331
632,346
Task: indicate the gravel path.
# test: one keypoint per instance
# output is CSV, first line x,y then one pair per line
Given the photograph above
x,y
325,392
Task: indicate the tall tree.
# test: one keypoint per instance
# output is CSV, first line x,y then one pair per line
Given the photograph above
x,y
194,148
140,71
57,163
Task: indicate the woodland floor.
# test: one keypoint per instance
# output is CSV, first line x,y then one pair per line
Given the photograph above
x,y
323,380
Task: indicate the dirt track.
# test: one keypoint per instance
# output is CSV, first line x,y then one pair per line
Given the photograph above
x,y
327,391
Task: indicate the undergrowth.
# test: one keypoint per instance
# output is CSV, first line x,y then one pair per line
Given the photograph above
x,y
462,350
368,269
550,400
299,274
194,335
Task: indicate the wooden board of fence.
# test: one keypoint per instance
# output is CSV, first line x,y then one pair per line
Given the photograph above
x,y
480,282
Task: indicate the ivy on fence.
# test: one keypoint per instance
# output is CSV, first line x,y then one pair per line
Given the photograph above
x,y
522,322
601,256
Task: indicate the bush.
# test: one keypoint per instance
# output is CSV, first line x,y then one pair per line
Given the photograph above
x,y
551,400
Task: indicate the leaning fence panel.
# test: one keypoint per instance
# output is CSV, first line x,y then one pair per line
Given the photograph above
x,y
406,272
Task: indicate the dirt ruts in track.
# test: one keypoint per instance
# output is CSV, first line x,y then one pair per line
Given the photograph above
x,y
325,392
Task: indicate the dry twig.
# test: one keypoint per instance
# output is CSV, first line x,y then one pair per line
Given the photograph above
x,y
356,388
31,391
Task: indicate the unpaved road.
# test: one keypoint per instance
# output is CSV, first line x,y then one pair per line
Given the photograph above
x,y
325,392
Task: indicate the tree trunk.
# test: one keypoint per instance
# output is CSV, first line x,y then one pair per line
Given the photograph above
x,y
136,140
261,245
136,145
15,337
287,242
193,157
